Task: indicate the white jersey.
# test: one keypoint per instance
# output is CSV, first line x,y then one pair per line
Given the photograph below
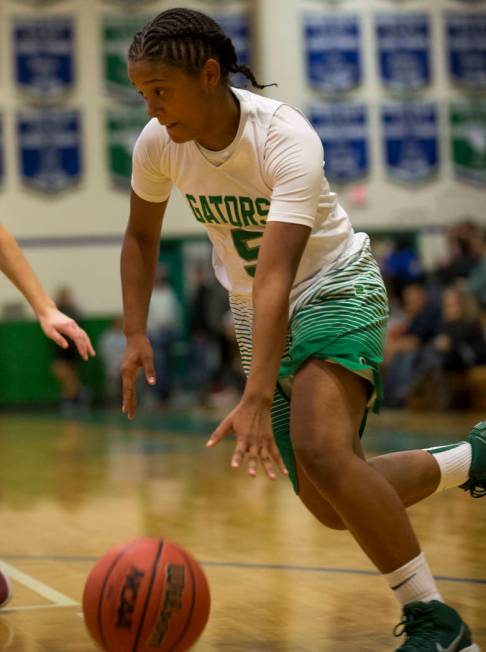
x,y
272,171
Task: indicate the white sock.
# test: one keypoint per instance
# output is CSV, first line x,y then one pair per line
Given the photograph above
x,y
413,582
454,462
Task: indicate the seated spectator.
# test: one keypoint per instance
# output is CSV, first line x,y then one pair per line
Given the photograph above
x,y
65,365
463,240
405,340
476,282
111,347
163,326
401,266
440,377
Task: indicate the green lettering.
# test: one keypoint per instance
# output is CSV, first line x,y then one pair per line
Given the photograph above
x,y
233,211
197,213
247,244
262,206
208,215
247,209
216,200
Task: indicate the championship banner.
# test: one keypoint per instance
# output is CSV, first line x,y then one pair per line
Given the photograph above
x,y
43,52
404,50
468,132
237,26
49,145
466,49
343,129
117,34
410,141
123,127
332,45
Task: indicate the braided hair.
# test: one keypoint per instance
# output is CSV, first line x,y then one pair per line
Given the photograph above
x,y
187,39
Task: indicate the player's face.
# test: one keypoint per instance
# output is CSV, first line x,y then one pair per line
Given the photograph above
x,y
177,99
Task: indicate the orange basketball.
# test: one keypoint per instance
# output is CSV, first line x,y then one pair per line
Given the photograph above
x,y
147,595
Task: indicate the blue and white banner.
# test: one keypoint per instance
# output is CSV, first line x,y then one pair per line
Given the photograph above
x,y
49,145
44,57
343,130
404,50
466,49
333,51
410,140
237,26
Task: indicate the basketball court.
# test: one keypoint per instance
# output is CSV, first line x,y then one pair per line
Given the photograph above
x,y
279,580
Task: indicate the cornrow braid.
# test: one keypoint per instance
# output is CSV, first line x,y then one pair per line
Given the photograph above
x,y
187,39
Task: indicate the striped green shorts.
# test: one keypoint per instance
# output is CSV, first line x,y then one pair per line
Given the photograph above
x,y
342,318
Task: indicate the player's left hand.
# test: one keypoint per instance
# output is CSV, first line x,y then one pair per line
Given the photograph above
x,y
55,324
251,424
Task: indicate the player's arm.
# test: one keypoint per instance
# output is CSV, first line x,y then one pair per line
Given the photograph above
x,y
293,159
281,251
295,166
54,323
17,269
139,256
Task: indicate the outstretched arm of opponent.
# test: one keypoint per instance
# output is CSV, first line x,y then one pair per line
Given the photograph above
x,y
54,323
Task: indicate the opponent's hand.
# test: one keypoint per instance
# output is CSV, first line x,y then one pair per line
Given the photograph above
x,y
55,324
251,424
138,353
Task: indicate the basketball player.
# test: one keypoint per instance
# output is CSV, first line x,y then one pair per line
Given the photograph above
x,y
56,325
308,301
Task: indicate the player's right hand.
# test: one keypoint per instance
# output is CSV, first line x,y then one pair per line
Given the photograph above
x,y
138,353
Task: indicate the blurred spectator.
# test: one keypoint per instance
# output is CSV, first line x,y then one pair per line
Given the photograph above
x,y
464,256
210,351
405,339
477,278
401,266
163,324
440,378
111,349
65,366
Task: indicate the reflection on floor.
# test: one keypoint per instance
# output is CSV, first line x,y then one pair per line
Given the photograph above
x,y
70,489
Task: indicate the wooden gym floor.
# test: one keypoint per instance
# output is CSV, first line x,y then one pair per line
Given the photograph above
x,y
280,582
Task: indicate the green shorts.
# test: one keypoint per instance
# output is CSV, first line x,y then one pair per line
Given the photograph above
x,y
340,317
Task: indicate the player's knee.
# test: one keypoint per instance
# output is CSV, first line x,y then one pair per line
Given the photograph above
x,y
327,468
313,455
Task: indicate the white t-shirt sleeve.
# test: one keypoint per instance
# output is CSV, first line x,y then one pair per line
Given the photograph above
x,y
148,180
294,168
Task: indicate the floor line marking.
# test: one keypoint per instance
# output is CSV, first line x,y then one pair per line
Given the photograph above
x,y
247,565
37,607
38,587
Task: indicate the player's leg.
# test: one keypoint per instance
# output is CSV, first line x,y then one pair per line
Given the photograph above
x,y
326,408
416,474
413,474
5,590
327,405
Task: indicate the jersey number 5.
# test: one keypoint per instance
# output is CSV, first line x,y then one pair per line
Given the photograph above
x,y
247,247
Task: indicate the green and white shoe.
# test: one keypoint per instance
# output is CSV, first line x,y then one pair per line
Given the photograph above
x,y
476,485
433,627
